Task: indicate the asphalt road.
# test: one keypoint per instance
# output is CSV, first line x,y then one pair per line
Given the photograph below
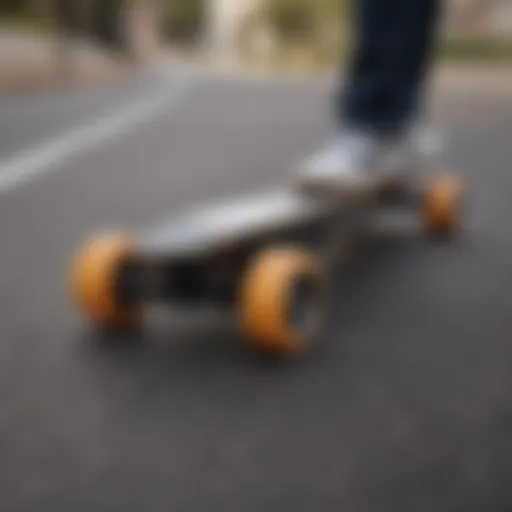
x,y
406,405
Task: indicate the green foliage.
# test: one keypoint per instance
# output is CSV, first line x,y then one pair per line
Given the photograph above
x,y
295,20
104,22
308,32
17,9
487,50
291,19
24,13
183,20
13,6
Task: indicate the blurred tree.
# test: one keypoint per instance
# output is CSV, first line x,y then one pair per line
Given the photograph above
x,y
302,19
183,20
13,6
313,30
290,19
68,15
23,9
104,21
100,19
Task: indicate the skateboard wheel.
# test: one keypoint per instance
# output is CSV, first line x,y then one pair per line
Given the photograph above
x,y
94,276
280,300
442,205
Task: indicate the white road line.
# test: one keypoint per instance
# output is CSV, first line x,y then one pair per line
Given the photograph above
x,y
45,158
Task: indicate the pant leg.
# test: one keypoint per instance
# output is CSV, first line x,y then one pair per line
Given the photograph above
x,y
393,45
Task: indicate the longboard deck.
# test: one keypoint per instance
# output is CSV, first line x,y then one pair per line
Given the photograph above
x,y
202,231
207,229
350,188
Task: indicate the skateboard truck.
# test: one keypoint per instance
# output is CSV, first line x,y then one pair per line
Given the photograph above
x,y
262,256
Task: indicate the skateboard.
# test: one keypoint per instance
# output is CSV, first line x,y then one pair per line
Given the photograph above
x,y
264,255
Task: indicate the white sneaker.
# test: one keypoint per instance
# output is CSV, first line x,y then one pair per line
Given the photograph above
x,y
354,158
357,158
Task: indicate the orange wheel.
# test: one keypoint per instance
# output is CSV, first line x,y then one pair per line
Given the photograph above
x,y
93,281
442,203
281,300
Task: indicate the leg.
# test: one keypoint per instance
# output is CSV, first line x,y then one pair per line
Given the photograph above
x,y
392,49
381,95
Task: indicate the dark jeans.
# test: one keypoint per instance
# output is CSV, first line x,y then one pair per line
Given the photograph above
x,y
394,40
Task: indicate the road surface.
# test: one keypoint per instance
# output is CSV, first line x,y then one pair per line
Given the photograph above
x,y
407,404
